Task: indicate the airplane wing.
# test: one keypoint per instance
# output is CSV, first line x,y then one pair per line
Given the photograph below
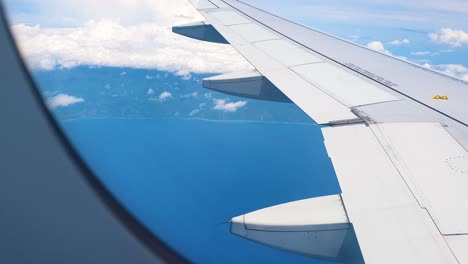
x,y
396,133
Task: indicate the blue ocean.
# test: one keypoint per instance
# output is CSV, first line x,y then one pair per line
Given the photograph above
x,y
184,168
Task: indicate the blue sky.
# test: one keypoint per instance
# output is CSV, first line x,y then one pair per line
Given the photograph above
x,y
431,33
68,33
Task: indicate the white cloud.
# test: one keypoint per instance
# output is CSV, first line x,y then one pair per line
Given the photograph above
x,y
186,77
452,69
194,94
223,105
123,73
455,70
164,96
72,13
150,92
151,77
400,57
378,46
194,112
426,65
420,53
63,100
397,42
452,37
146,42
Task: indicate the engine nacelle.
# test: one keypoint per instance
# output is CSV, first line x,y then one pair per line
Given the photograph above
x,y
317,227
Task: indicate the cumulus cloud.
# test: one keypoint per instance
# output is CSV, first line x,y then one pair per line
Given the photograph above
x,y
454,38
63,100
148,43
223,105
194,94
378,46
426,65
397,42
164,96
150,92
455,70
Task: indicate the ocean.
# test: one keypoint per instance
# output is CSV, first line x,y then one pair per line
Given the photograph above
x,y
184,176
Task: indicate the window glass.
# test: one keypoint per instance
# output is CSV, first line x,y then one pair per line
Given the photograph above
x,y
181,158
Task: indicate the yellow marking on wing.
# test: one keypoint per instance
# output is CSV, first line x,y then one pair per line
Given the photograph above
x,y
440,97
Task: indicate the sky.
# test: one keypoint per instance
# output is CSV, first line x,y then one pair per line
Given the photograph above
x,y
64,34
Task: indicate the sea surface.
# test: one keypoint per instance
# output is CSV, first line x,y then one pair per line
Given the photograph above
x,y
185,176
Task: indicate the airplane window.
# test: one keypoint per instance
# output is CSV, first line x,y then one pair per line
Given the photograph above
x,y
196,131
180,152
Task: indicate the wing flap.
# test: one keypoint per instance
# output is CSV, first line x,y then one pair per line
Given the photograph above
x,y
434,166
314,102
390,225
459,244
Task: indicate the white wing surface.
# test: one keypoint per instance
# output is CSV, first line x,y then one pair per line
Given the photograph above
x,y
396,133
